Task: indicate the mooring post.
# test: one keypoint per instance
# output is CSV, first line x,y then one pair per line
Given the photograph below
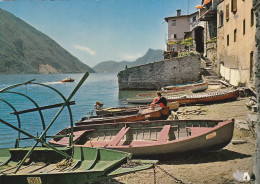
x,y
257,84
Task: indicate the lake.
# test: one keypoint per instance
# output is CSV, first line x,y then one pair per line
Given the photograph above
x,y
97,87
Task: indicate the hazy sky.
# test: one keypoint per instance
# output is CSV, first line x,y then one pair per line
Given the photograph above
x,y
101,30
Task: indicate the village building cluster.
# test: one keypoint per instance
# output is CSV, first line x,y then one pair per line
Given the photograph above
x,y
222,31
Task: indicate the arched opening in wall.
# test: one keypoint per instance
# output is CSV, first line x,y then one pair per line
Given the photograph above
x,y
199,39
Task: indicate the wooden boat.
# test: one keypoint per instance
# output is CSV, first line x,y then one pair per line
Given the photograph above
x,y
163,92
143,114
47,166
52,165
153,137
194,87
67,80
228,94
127,110
179,89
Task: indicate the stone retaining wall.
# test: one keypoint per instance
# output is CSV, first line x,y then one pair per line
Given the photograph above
x,y
257,75
162,73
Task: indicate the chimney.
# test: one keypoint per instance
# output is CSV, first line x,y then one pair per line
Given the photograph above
x,y
179,12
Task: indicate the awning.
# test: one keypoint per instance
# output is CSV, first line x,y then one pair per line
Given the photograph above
x,y
207,1
199,6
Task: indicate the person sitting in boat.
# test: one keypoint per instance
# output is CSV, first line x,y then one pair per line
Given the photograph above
x,y
98,106
160,100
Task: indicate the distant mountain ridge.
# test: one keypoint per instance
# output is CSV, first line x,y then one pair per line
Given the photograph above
x,y
23,49
114,67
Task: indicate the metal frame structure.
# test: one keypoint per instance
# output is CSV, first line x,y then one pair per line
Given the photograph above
x,y
42,137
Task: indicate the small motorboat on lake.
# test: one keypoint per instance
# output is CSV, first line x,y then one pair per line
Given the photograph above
x,y
67,80
157,137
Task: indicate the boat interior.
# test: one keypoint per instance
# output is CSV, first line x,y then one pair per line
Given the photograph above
x,y
45,160
134,133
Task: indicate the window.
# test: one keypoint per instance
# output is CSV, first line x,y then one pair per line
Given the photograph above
x,y
227,12
227,40
235,35
194,18
221,18
173,22
175,35
251,65
252,17
244,26
234,6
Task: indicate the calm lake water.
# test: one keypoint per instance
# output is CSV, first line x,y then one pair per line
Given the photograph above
x,y
97,87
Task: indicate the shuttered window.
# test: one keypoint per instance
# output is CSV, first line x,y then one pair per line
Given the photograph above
x,y
244,26
235,35
227,12
252,17
233,6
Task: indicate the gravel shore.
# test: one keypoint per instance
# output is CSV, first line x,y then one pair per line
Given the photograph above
x,y
208,167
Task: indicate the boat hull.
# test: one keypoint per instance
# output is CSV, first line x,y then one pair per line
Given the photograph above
x,y
198,143
194,98
152,137
193,87
89,165
207,98
146,114
67,80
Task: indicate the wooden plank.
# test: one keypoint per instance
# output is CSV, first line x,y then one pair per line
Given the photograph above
x,y
77,135
46,169
119,136
164,134
31,168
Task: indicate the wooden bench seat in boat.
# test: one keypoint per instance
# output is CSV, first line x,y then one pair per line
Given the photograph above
x,y
76,137
119,136
165,133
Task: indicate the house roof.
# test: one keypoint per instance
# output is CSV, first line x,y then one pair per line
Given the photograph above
x,y
167,18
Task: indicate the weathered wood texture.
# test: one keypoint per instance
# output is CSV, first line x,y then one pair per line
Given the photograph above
x,y
257,67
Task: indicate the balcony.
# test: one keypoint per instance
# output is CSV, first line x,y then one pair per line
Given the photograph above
x,y
209,11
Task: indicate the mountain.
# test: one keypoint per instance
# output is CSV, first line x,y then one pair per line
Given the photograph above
x,y
23,49
114,67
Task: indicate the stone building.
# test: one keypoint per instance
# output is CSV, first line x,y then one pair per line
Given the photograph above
x,y
181,27
257,84
229,41
208,15
236,51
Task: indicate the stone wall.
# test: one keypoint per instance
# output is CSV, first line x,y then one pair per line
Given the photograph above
x,y
211,49
257,75
162,73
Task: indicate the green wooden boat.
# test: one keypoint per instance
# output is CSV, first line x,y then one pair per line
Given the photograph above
x,y
53,165
47,166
